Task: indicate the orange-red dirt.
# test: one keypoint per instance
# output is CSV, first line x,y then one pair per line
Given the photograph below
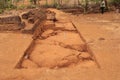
x,y
59,46
101,33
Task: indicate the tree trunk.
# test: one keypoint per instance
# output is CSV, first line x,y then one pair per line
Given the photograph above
x,y
54,3
74,3
46,3
106,3
59,3
86,6
38,2
78,2
35,2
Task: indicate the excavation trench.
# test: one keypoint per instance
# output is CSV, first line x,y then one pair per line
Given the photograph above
x,y
57,45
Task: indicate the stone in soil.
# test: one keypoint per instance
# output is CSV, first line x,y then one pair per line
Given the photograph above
x,y
10,19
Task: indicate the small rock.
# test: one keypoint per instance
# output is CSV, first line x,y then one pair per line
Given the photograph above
x,y
101,38
25,15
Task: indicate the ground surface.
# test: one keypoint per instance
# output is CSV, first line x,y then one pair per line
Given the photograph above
x,y
99,32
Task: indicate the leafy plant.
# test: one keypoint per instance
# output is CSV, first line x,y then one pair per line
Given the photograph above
x,y
21,7
31,6
115,2
1,11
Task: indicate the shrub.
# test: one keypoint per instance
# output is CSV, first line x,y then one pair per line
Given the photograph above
x,y
1,11
116,3
31,6
21,7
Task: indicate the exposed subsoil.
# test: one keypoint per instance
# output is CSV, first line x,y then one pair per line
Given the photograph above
x,y
58,46
55,44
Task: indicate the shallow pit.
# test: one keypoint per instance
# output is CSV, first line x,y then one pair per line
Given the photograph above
x,y
58,47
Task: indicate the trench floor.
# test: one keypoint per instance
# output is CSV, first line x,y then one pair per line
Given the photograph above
x,y
59,46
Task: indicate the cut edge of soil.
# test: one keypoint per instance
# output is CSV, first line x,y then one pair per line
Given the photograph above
x,y
32,45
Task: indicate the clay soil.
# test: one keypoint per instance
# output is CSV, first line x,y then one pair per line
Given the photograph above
x,y
76,47
59,46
